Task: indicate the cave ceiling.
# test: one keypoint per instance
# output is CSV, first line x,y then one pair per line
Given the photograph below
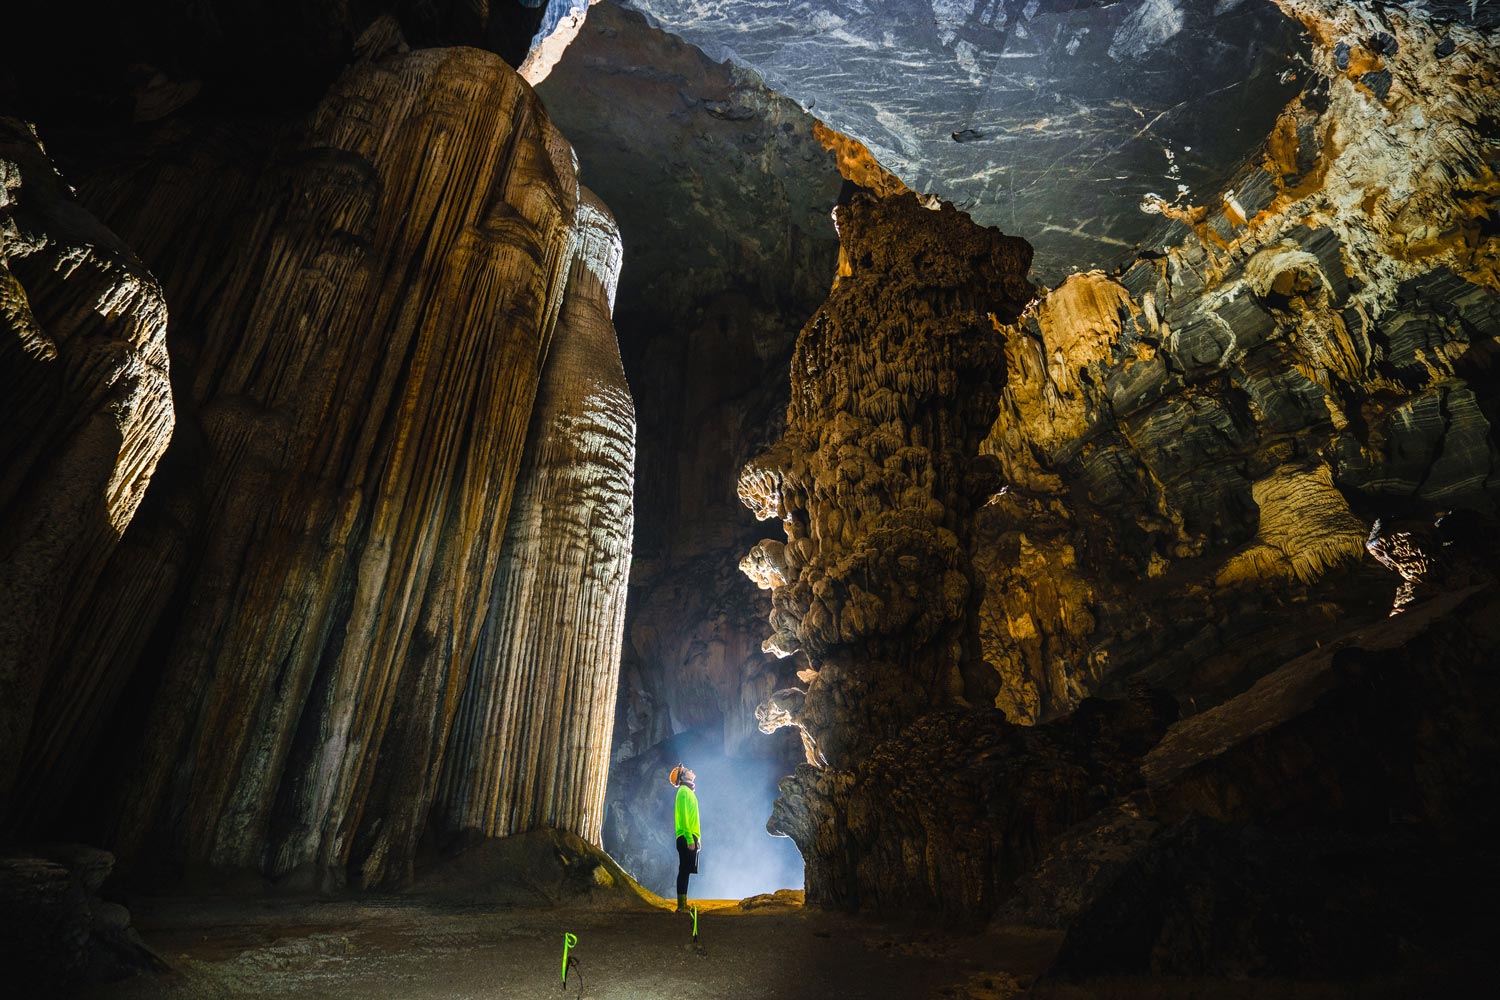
x,y
1051,119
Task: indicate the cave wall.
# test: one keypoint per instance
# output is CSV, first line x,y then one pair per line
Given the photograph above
x,y
364,301
86,405
1196,449
1190,458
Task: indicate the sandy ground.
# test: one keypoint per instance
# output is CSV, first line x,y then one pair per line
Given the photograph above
x,y
374,949
399,948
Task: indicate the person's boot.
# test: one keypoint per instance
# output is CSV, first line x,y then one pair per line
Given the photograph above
x,y
681,903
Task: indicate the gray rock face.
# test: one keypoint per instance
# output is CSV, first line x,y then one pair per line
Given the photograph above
x,y
1051,119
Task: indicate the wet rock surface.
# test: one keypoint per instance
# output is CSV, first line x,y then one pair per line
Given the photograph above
x,y
1050,119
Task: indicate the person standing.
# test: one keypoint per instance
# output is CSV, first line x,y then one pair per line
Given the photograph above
x,y
689,838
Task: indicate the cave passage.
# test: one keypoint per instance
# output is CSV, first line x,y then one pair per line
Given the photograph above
x,y
425,422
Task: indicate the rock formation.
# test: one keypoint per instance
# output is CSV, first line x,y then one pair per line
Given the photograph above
x,y
530,745
878,475
1198,446
360,350
1188,454
1331,822
722,190
86,412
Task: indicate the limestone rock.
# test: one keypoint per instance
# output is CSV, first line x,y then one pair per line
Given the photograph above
x,y
85,414
875,480
364,338
530,746
1204,440
1334,821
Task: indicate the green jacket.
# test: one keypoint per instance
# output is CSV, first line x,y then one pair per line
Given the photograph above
x,y
687,814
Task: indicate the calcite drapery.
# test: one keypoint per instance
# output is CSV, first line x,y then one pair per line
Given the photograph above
x,y
531,742
356,395
85,414
877,475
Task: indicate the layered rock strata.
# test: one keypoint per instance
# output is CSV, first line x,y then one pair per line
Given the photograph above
x,y
1197,448
1190,455
530,746
85,414
361,345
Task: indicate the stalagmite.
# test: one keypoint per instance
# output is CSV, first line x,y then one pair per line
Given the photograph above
x,y
531,741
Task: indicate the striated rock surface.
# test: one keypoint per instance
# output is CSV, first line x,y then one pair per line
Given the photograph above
x,y
85,414
530,746
362,344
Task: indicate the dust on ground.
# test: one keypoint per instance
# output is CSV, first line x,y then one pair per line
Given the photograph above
x,y
413,949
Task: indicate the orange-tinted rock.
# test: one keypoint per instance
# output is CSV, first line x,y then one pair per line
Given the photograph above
x,y
365,338
530,746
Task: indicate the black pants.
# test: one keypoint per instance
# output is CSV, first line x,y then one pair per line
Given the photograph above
x,y
687,864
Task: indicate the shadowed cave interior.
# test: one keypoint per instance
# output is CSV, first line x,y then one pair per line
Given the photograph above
x,y
1034,460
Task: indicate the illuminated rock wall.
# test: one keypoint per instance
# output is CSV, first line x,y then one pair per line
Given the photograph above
x,y
85,413
876,478
361,342
1189,458
530,745
1195,450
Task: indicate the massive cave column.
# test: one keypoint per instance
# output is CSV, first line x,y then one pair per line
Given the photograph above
x,y
359,392
894,381
530,745
85,414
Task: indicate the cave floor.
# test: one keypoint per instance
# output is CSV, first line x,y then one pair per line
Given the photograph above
x,y
398,948
395,947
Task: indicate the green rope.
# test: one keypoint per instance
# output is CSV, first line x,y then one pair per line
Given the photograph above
x,y
569,940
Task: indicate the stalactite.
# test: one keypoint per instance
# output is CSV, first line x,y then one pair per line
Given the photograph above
x,y
530,745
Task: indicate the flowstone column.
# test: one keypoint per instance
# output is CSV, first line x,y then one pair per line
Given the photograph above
x,y
530,745
894,385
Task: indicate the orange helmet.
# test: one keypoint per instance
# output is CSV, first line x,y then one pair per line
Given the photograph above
x,y
677,774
